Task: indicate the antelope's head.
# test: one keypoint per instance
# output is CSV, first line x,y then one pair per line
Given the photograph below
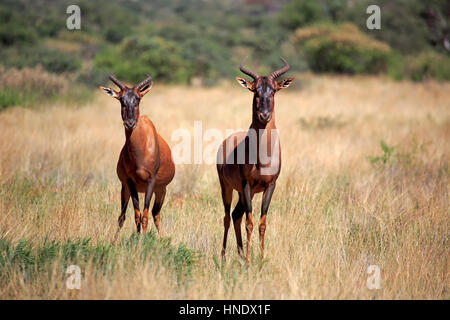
x,y
129,99
264,89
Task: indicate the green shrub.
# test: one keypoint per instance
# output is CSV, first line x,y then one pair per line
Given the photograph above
x,y
13,29
427,64
343,49
395,65
298,13
386,157
407,156
136,56
10,97
51,60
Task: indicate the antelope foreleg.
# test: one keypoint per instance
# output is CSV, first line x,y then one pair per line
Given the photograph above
x,y
249,229
237,214
267,197
159,200
227,197
135,199
249,218
124,198
148,198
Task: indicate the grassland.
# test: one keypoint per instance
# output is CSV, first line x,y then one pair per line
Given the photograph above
x,y
364,181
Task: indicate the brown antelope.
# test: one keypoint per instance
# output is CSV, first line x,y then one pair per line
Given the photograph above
x,y
254,173
145,163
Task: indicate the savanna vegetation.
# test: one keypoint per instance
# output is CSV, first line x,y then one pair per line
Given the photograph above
x,y
364,181
203,41
364,133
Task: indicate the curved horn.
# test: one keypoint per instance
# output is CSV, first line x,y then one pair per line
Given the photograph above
x,y
117,82
144,82
252,74
279,72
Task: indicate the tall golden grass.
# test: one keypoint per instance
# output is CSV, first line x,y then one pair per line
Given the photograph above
x,y
335,211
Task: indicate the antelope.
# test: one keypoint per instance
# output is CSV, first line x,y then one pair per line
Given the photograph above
x,y
256,175
145,163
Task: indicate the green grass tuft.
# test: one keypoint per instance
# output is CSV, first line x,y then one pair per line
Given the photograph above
x,y
33,259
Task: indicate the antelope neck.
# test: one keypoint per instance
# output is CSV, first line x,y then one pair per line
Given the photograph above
x,y
132,137
260,130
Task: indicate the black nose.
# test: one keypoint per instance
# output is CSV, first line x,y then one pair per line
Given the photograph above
x,y
129,124
264,116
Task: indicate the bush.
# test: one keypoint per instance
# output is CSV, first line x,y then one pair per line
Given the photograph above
x,y
29,86
34,86
342,48
427,64
139,55
51,60
403,26
9,97
299,13
13,30
395,67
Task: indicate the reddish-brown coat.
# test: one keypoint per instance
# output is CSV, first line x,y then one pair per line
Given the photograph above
x,y
145,152
145,163
250,178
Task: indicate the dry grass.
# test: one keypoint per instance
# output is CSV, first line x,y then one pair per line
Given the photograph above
x,y
333,213
32,80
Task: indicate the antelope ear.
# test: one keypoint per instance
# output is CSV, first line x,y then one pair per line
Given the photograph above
x,y
110,92
285,83
145,89
245,83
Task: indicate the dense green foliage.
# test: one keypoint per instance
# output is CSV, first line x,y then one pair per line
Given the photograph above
x,y
50,59
176,40
161,58
342,49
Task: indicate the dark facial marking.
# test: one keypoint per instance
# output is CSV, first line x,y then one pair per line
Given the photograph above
x,y
264,93
130,102
264,99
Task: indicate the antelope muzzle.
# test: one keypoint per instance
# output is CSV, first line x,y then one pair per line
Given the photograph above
x,y
264,117
129,124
